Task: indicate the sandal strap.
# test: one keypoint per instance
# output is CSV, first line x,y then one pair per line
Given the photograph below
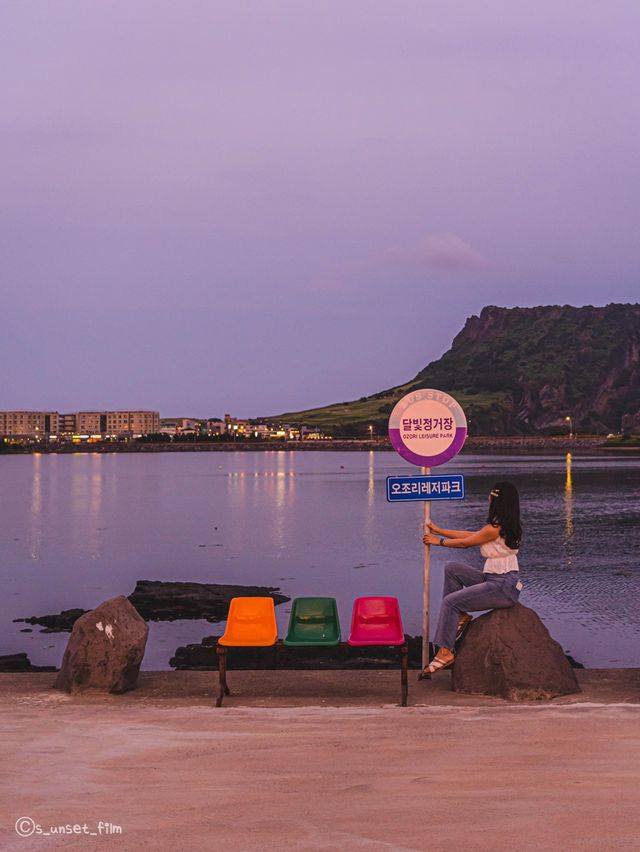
x,y
437,663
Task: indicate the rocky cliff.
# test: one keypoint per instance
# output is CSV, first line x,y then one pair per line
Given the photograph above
x,y
542,365
524,371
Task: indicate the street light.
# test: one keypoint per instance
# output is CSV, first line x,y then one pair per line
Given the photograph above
x,y
570,422
371,433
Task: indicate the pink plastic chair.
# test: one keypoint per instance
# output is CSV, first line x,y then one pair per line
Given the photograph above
x,y
377,621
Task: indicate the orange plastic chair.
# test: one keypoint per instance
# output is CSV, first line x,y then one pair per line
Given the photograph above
x,y
251,623
377,621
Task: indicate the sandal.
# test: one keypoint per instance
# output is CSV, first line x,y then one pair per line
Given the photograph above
x,y
436,664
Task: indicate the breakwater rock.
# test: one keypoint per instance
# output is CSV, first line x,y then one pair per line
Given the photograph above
x,y
21,663
203,656
475,443
157,600
59,623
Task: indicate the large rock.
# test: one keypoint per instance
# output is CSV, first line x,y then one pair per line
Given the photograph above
x,y
105,649
509,652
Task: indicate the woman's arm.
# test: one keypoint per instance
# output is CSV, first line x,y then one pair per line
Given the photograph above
x,y
487,533
448,533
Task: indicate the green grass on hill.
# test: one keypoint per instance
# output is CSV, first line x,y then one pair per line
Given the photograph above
x,y
359,414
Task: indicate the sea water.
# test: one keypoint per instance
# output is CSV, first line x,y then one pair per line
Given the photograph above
x,y
78,529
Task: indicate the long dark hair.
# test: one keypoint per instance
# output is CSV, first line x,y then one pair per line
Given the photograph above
x,y
504,512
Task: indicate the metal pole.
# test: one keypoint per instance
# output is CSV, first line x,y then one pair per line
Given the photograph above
x,y
426,571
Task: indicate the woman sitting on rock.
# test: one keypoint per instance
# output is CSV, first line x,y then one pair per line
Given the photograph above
x,y
467,589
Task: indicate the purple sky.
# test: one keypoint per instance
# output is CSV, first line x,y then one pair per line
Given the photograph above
x,y
259,206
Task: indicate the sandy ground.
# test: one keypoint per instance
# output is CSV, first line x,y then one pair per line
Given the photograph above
x,y
275,769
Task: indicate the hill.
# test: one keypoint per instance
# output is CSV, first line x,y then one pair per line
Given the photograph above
x,y
522,371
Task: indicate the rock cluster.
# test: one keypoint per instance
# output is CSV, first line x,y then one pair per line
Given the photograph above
x,y
203,656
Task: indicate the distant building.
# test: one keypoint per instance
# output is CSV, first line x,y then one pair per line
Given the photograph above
x,y
312,433
235,426
67,426
284,432
78,426
32,425
117,424
216,427
260,430
91,424
180,426
244,428
114,425
168,427
134,422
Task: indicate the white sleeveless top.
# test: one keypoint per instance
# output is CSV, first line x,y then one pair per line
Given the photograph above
x,y
499,558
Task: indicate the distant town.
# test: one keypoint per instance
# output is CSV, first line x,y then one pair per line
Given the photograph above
x,y
116,431
80,427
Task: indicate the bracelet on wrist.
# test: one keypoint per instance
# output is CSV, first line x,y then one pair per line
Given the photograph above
x,y
441,542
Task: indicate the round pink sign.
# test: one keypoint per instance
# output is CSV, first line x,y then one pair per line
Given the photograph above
x,y
427,427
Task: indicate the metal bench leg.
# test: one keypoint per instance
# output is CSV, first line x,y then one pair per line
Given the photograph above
x,y
404,677
222,674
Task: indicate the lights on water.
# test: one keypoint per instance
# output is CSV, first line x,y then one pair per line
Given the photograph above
x,y
568,503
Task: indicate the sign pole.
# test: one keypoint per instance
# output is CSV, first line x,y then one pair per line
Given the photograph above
x,y
426,575
427,427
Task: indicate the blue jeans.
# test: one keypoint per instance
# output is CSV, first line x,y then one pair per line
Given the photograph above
x,y
467,589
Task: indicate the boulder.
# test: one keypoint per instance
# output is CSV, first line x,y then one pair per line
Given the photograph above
x,y
509,652
105,649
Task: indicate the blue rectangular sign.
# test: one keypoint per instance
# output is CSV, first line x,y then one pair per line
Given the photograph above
x,y
444,487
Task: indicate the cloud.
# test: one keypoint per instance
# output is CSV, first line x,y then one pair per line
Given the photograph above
x,y
442,251
445,252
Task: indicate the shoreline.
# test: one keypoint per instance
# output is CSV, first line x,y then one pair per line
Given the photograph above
x,y
282,687
480,444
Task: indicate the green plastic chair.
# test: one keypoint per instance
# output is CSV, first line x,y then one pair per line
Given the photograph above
x,y
313,621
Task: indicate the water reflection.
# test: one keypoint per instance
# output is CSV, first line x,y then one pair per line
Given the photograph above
x,y
86,495
285,493
272,491
370,510
568,503
35,515
95,505
371,489
281,487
